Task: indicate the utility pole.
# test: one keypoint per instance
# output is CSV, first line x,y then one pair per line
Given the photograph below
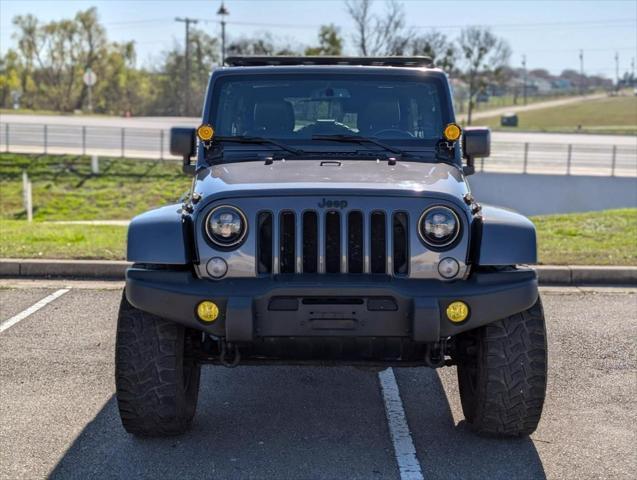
x,y
223,12
524,77
187,21
617,71
581,72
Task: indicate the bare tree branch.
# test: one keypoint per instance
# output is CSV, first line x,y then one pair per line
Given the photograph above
x,y
483,54
360,11
378,34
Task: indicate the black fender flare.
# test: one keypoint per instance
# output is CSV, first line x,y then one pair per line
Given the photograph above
x,y
505,238
160,236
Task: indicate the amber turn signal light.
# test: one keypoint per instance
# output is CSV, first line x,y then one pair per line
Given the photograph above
x,y
452,132
205,132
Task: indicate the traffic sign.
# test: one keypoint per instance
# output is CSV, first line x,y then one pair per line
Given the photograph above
x,y
89,77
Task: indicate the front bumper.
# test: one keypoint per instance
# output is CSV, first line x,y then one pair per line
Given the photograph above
x,y
331,305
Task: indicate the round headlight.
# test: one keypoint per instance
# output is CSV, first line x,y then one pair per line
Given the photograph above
x,y
226,226
439,226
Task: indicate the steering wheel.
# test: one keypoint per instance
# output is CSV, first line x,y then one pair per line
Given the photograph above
x,y
387,132
326,127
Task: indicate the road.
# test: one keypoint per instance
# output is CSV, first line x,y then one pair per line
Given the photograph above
x,y
59,418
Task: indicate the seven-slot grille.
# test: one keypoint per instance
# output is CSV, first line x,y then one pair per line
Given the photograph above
x,y
333,241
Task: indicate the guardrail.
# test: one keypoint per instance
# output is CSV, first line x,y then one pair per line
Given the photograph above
x,y
560,158
122,142
127,142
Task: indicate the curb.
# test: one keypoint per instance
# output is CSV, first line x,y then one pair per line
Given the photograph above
x,y
115,270
95,269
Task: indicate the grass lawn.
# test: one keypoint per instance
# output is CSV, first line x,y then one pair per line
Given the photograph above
x,y
19,239
508,101
65,189
595,238
611,115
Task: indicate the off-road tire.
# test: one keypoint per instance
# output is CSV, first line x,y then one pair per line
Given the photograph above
x,y
156,378
502,374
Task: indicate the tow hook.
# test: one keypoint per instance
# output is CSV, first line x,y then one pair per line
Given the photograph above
x,y
435,354
235,356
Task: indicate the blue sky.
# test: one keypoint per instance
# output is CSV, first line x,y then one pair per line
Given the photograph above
x,y
550,34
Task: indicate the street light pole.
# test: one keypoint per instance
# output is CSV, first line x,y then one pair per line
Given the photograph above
x,y
223,12
187,21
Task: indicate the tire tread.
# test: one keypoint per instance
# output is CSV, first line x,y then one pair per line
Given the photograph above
x,y
149,356
511,384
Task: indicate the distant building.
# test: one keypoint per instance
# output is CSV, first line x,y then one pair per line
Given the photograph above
x,y
540,86
562,85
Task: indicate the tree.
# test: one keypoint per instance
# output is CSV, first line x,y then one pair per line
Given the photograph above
x,y
56,54
169,78
541,73
128,90
330,42
484,55
263,45
378,34
9,77
435,45
49,60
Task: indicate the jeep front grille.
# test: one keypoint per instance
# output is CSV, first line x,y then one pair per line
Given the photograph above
x,y
333,241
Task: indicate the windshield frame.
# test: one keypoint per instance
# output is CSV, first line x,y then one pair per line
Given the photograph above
x,y
422,146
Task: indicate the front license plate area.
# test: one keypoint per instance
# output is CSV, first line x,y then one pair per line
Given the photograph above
x,y
332,316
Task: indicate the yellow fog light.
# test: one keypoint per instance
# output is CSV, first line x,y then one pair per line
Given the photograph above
x,y
205,132
207,311
457,311
452,132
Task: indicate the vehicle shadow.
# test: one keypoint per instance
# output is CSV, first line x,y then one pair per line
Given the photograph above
x,y
297,423
447,449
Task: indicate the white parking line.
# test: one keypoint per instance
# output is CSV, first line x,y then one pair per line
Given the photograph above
x,y
32,309
404,449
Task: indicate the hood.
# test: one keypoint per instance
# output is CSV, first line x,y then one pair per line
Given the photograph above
x,y
366,175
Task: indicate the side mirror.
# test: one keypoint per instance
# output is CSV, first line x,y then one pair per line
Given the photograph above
x,y
476,143
183,144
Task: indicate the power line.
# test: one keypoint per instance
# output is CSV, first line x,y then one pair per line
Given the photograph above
x,y
298,26
135,22
607,22
564,50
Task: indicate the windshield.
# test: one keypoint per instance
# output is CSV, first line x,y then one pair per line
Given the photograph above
x,y
298,107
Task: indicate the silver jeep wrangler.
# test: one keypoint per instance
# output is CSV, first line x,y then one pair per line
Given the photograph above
x,y
330,222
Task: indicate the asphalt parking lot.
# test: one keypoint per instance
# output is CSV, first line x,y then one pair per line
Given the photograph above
x,y
58,414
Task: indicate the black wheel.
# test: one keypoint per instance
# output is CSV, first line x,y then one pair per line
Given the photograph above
x,y
502,374
156,377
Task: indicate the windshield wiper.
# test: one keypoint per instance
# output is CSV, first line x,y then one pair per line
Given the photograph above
x,y
259,141
360,139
